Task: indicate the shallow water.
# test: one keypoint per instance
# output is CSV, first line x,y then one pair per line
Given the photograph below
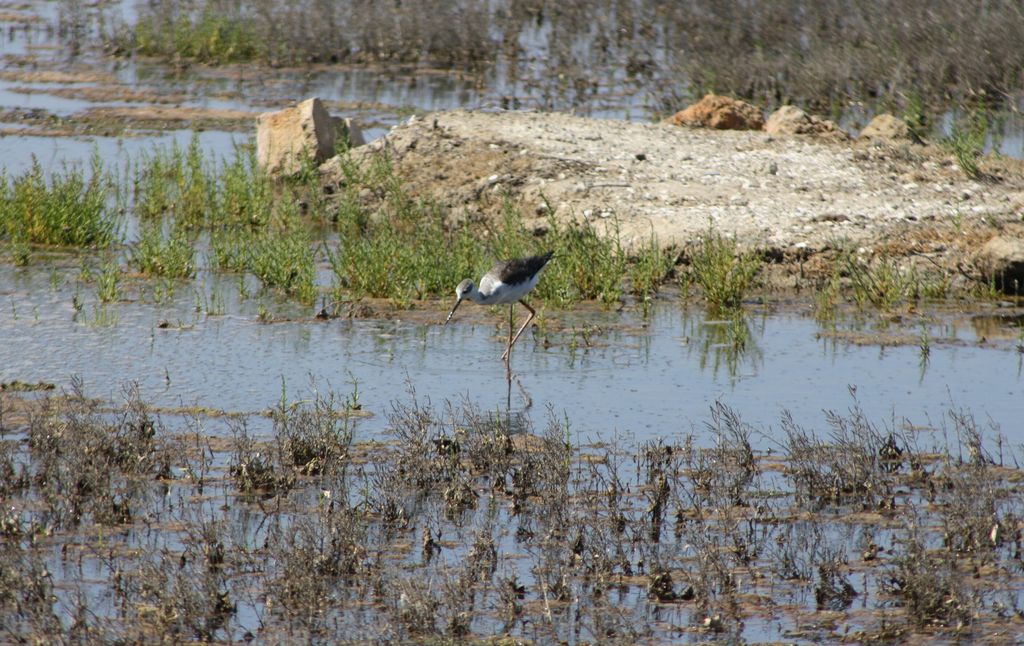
x,y
115,152
633,382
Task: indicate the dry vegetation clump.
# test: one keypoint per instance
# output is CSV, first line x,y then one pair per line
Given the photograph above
x,y
856,464
822,54
469,525
826,53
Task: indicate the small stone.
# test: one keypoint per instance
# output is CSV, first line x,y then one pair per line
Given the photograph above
x,y
887,128
1001,261
791,120
721,113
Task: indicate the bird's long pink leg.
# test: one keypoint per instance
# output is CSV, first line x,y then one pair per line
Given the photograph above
x,y
511,321
529,318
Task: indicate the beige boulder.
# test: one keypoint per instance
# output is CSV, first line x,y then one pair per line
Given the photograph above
x,y
791,120
1001,261
284,137
721,113
889,129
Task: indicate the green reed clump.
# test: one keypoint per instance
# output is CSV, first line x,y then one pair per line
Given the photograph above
x,y
66,209
881,284
230,249
424,261
207,37
285,260
650,268
723,271
281,257
245,192
255,226
966,141
175,183
168,256
586,266
108,283
405,250
185,186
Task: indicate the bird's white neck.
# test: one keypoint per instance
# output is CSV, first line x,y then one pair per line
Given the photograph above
x,y
477,296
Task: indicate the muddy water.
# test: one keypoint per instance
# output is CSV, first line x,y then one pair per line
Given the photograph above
x,y
635,381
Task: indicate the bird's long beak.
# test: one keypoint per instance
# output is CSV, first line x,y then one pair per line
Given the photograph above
x,y
452,313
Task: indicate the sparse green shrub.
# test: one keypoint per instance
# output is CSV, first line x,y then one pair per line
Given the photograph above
x,y
108,283
246,193
586,265
723,272
173,183
285,260
881,283
650,268
966,141
66,209
387,264
170,257
208,37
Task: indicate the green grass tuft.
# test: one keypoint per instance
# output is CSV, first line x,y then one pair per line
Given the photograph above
x,y
724,273
66,209
108,283
170,257
651,267
207,37
966,141
285,261
881,284
281,258
170,182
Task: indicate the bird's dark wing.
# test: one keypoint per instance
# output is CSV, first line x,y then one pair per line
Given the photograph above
x,y
520,270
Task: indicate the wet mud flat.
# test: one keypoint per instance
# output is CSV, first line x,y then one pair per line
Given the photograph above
x,y
124,523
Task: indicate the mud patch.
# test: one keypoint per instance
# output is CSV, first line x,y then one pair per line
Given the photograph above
x,y
161,118
123,121
7,15
98,94
55,76
17,386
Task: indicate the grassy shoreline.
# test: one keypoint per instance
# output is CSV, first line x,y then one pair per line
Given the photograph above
x,y
373,239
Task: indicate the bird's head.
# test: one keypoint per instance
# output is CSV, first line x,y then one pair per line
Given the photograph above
x,y
464,290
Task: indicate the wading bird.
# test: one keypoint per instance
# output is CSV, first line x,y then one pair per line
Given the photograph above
x,y
507,282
